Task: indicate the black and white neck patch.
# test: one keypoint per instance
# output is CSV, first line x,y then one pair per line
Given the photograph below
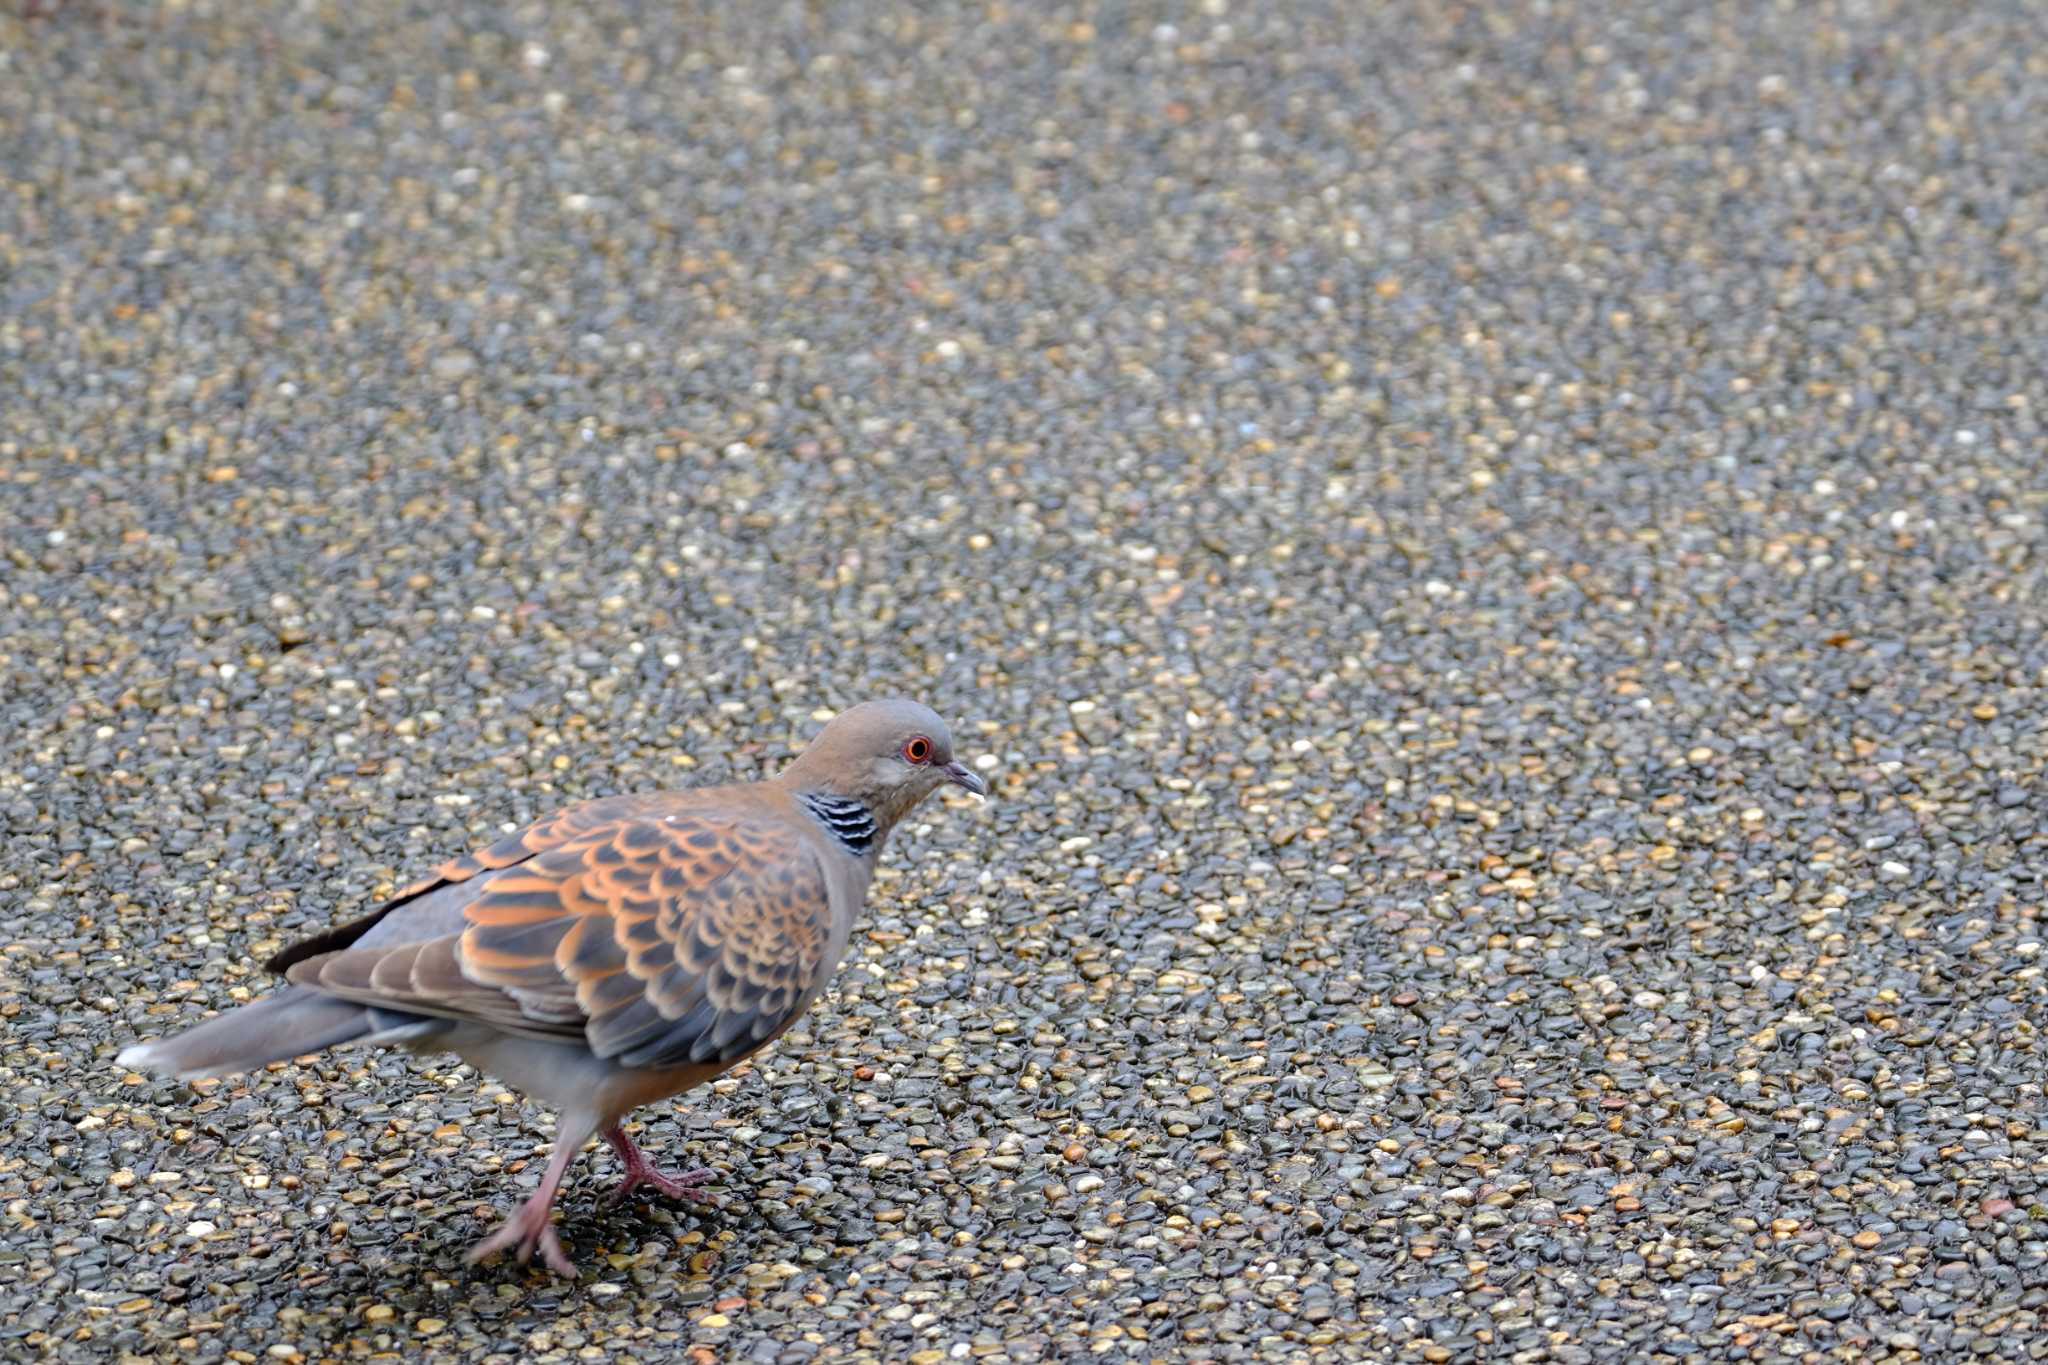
x,y
850,821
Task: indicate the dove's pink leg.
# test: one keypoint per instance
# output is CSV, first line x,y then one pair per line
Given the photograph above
x,y
529,1227
682,1185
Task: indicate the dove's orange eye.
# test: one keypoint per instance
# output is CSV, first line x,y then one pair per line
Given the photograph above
x,y
918,750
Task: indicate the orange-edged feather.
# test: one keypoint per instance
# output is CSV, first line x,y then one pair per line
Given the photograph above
x,y
552,831
662,940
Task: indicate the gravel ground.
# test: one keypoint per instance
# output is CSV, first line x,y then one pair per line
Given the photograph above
x,y
1496,551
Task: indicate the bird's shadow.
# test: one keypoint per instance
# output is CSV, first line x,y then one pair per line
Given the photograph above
x,y
427,1274
593,1226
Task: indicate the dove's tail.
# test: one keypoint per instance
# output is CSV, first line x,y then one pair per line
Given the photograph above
x,y
289,1024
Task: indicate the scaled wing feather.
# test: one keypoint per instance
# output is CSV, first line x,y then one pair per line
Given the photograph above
x,y
655,940
690,938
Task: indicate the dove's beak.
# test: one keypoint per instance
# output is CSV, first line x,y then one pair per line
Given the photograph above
x,y
960,775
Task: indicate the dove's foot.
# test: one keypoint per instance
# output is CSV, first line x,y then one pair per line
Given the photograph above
x,y
682,1185
528,1230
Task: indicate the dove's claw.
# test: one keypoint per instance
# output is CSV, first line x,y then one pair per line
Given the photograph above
x,y
682,1185
528,1230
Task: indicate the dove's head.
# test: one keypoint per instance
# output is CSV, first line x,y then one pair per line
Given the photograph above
x,y
888,755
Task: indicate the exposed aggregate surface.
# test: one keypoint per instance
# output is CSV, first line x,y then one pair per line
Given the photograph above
x,y
1492,553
